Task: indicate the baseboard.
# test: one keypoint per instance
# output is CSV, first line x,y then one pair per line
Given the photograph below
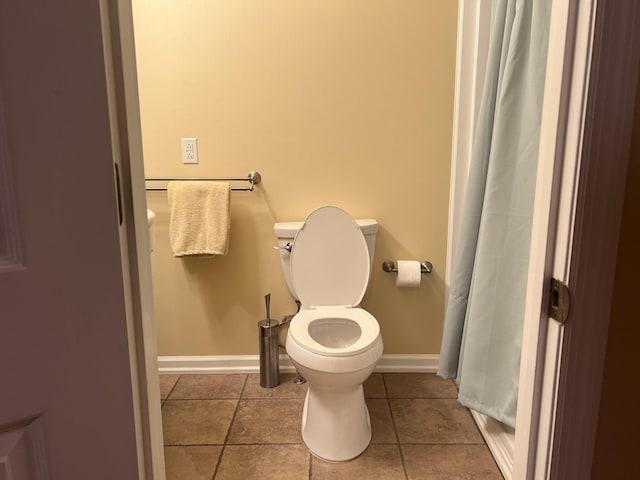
x,y
406,363
500,440
251,364
216,364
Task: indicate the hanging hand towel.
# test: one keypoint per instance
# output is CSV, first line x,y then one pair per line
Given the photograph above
x,y
199,218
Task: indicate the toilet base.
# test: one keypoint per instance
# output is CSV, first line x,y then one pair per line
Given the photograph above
x,y
335,423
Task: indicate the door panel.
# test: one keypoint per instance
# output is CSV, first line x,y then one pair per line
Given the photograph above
x,y
63,339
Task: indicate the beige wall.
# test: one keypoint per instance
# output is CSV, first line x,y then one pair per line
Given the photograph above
x,y
337,102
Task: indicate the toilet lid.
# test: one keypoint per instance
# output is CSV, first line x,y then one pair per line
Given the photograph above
x,y
330,260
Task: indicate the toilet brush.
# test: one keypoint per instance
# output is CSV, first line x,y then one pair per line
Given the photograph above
x,y
269,349
267,301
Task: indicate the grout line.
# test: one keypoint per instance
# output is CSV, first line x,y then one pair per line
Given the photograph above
x,y
384,384
233,418
201,399
272,398
172,389
310,464
283,444
395,429
163,401
193,444
255,444
420,398
235,412
215,470
440,444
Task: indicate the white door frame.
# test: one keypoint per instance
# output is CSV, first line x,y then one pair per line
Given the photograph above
x,y
474,21
591,261
558,426
124,112
563,123
589,83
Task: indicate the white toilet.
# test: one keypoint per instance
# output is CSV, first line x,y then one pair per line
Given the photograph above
x,y
332,342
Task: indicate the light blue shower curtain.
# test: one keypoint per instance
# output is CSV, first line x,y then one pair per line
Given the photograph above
x,y
483,324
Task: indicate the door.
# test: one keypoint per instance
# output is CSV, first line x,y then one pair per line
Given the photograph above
x,y
585,136
66,395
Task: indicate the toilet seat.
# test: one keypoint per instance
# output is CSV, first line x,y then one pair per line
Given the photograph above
x,y
330,271
330,262
369,330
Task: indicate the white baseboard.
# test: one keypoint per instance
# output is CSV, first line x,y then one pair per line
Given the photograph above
x,y
419,363
216,364
500,440
251,364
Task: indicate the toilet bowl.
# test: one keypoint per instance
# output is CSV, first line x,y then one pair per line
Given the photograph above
x,y
332,342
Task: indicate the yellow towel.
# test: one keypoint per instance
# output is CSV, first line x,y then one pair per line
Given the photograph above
x,y
199,218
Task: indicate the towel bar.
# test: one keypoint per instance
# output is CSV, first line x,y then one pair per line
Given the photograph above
x,y
254,178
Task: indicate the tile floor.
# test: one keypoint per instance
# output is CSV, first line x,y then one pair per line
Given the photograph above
x,y
227,427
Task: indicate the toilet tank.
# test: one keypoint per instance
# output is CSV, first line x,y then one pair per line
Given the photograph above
x,y
286,232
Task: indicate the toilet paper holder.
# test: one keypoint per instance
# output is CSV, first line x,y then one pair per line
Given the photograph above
x,y
390,266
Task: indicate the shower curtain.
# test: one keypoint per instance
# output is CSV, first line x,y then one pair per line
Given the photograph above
x,y
483,323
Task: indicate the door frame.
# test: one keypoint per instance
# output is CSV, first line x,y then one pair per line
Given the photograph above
x,y
590,263
594,46
563,123
610,81
126,132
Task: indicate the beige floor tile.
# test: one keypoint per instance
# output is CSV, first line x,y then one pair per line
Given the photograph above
x,y
196,422
264,462
374,387
191,463
167,382
267,421
419,385
433,421
286,389
205,387
444,462
378,462
382,430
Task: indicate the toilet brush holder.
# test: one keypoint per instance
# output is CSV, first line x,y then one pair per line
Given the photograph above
x,y
269,353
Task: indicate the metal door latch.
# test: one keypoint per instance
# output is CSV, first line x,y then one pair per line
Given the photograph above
x,y
559,301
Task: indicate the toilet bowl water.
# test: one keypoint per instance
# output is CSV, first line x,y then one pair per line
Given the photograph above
x,y
338,333
334,331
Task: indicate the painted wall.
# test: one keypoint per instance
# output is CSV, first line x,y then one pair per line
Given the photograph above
x,y
338,102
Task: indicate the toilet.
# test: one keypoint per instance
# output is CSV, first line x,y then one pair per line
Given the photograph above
x,y
334,344
151,217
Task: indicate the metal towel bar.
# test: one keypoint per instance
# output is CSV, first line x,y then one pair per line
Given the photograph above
x,y
254,178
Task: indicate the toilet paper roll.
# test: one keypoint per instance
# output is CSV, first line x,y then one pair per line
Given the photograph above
x,y
408,273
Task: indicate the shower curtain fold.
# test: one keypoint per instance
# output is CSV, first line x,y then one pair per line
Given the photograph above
x,y
482,338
